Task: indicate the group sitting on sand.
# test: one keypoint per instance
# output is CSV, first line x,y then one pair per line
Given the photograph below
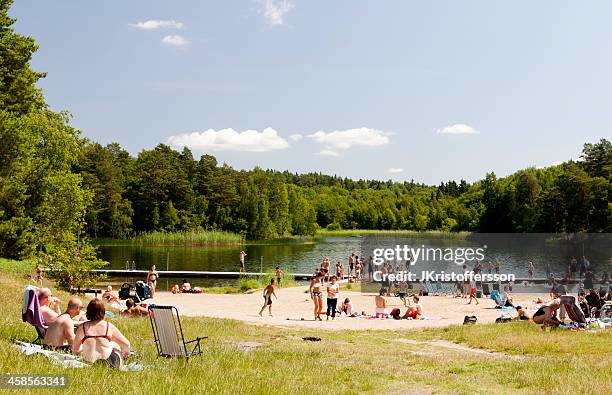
x,y
413,311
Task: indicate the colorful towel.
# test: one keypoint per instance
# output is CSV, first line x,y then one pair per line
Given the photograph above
x,y
72,361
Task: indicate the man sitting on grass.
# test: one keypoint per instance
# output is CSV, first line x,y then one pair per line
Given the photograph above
x,y
60,333
45,300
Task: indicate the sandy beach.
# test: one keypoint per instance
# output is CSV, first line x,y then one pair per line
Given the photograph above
x,y
295,309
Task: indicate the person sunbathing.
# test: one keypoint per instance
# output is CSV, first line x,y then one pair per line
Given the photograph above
x,y
381,304
60,333
547,314
416,310
99,339
109,296
134,310
45,300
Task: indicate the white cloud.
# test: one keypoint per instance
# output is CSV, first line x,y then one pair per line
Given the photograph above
x,y
458,128
230,140
296,137
395,170
344,139
275,10
328,152
153,24
175,40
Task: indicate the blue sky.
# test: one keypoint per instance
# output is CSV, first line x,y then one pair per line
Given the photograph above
x,y
429,90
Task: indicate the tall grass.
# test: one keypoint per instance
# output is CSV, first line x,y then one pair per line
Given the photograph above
x,y
188,238
396,232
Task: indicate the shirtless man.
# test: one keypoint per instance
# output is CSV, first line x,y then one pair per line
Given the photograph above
x,y
381,304
267,295
351,262
242,255
46,299
60,333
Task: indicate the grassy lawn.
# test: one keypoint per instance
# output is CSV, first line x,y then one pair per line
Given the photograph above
x,y
530,360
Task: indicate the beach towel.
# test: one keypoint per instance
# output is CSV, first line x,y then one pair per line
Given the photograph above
x,y
56,357
31,312
72,361
504,308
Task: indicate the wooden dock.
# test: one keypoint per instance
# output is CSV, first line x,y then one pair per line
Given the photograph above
x,y
234,275
192,274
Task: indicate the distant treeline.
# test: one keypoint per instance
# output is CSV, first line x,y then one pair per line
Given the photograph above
x,y
166,190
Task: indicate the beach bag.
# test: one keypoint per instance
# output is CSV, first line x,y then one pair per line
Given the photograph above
x,y
143,291
395,313
124,291
469,320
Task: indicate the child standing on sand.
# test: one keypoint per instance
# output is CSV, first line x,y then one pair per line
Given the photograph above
x,y
267,295
473,293
403,291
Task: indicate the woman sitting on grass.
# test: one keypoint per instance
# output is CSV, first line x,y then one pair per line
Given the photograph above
x,y
98,339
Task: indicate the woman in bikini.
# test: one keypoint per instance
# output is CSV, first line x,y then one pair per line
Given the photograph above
x,y
152,278
316,294
98,339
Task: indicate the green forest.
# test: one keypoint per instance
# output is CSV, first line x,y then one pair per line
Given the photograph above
x,y
57,188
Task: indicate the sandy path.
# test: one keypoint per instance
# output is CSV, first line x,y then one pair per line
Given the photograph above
x,y
293,304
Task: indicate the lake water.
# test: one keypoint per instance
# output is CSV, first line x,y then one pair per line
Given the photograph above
x,y
513,251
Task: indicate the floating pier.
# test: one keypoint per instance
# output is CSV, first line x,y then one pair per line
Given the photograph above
x,y
235,275
192,274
